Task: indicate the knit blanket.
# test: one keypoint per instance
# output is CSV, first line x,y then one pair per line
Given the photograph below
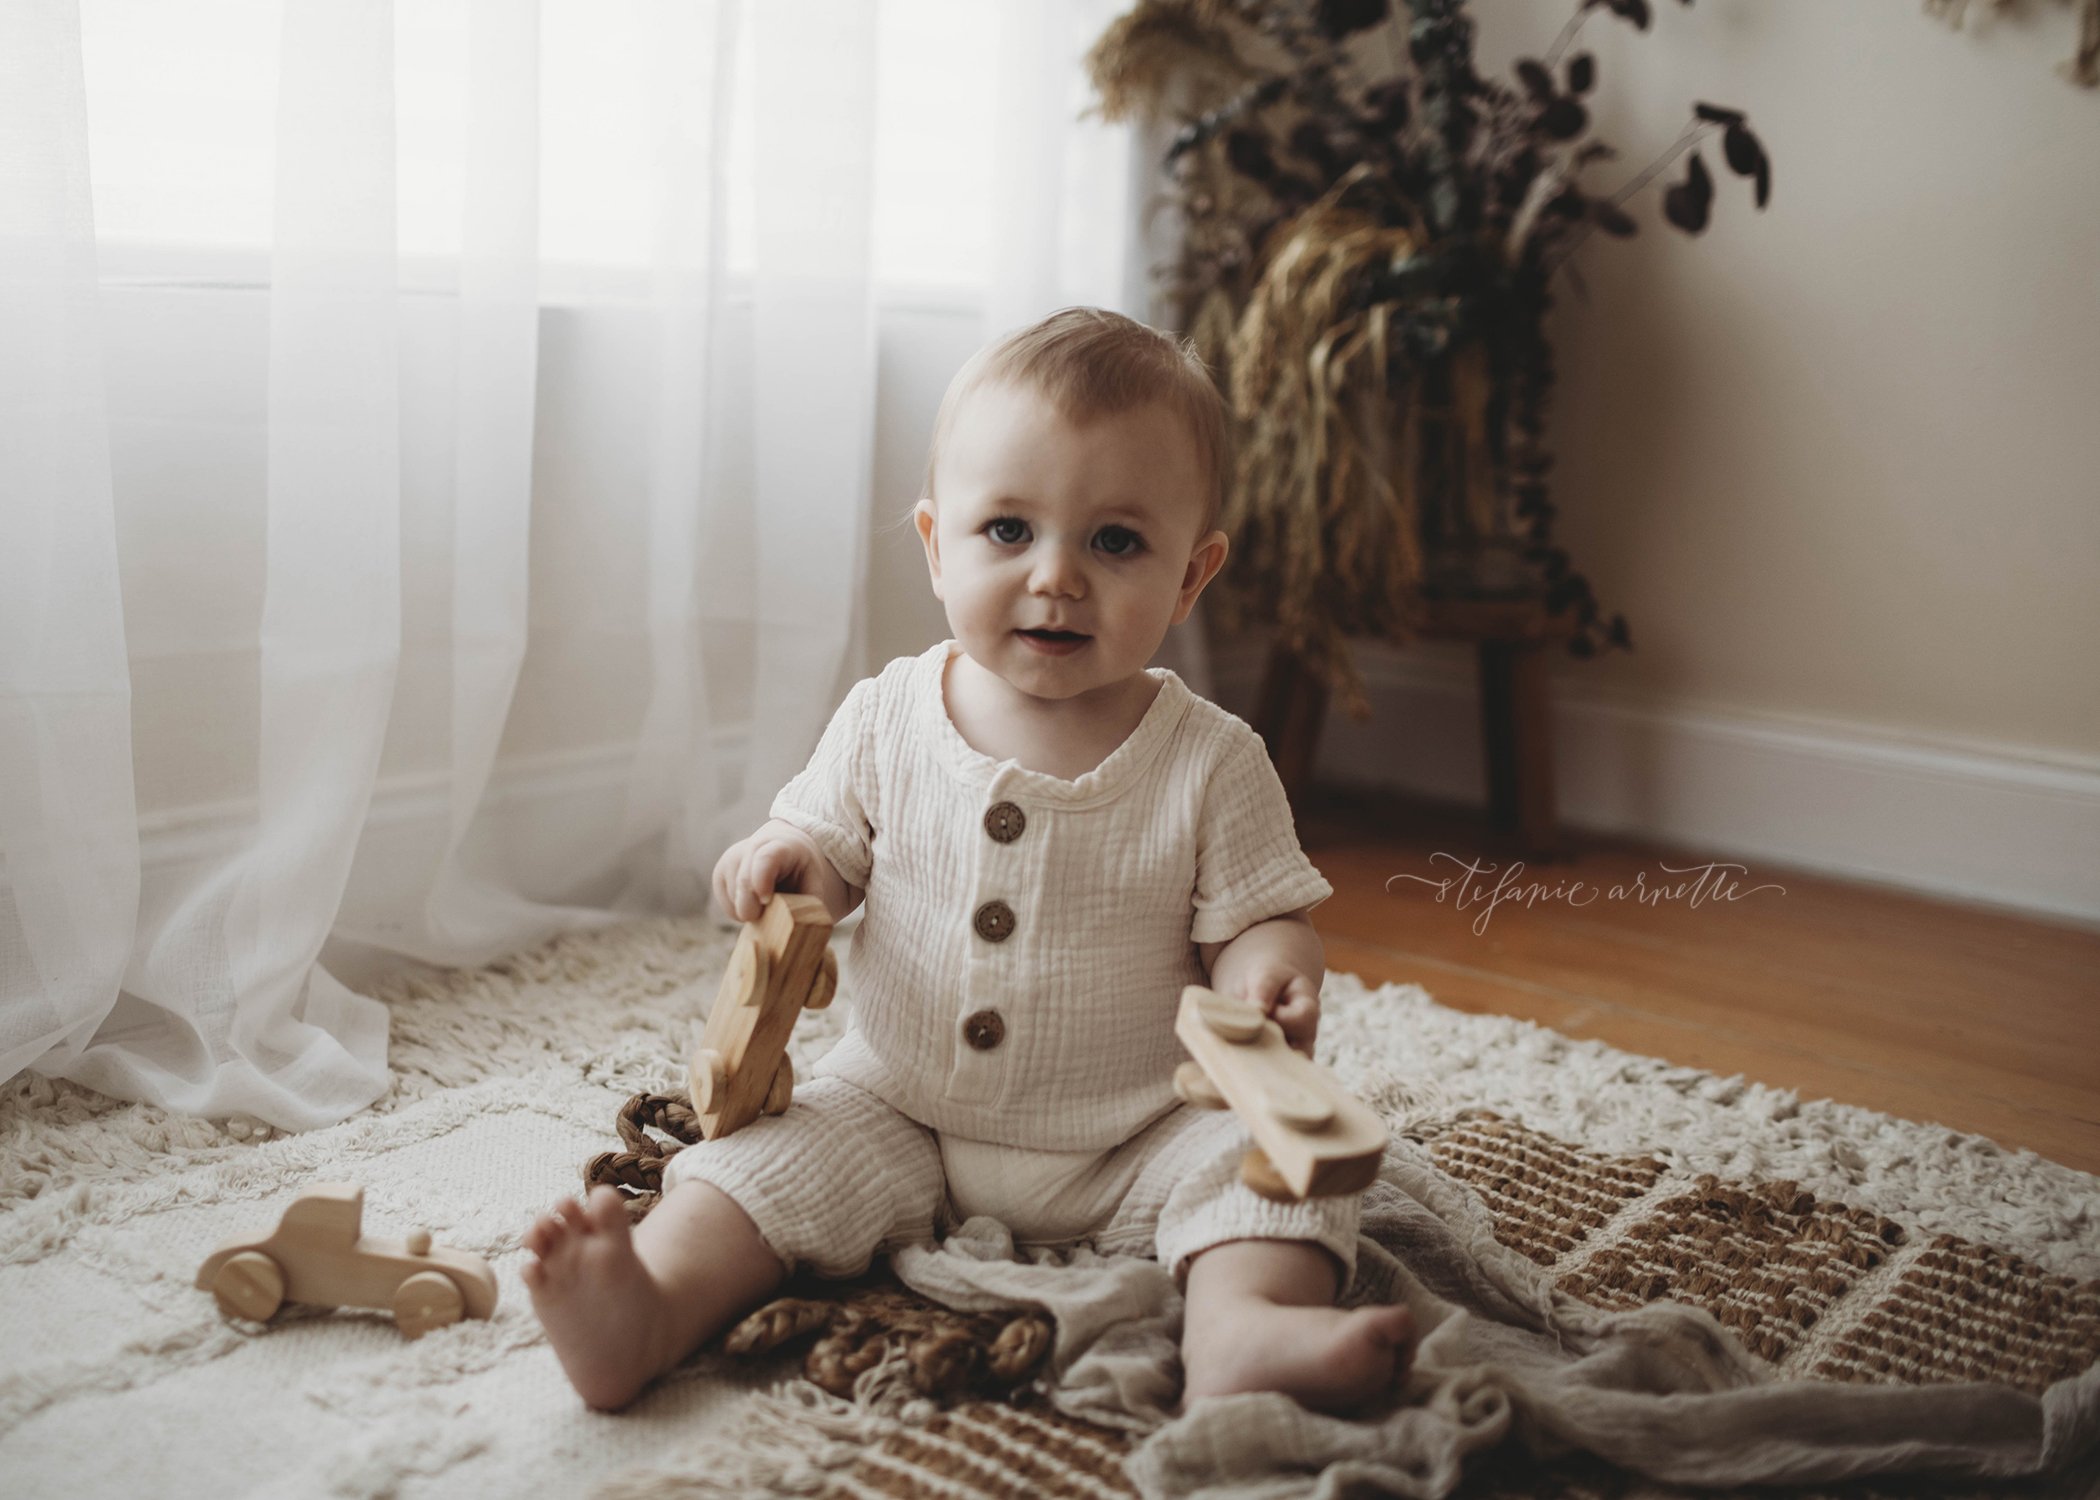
x,y
1684,1277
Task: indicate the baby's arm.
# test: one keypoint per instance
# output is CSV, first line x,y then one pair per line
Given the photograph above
x,y
1278,964
779,857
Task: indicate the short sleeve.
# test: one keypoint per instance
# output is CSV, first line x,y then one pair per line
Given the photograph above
x,y
1248,863
830,798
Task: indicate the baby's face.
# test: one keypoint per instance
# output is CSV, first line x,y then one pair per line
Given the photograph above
x,y
1063,552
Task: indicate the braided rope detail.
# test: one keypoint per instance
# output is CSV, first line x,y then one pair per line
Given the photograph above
x,y
860,1325
1020,1344
778,1322
673,1114
638,1172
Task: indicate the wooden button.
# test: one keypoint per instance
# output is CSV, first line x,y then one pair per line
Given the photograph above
x,y
994,921
984,1030
1004,822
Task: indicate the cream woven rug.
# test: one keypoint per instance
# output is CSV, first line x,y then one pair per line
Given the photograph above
x,y
1839,1243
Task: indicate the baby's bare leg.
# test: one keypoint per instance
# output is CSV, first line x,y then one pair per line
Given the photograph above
x,y
1261,1317
621,1305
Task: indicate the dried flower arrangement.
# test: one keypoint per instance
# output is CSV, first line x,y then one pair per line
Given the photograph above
x,y
1371,230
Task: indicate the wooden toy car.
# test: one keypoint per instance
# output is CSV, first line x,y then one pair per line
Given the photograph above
x,y
1312,1138
782,965
318,1255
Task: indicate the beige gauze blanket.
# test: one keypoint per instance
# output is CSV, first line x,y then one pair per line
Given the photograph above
x,y
1661,1390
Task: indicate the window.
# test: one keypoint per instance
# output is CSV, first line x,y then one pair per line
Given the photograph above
x,y
182,106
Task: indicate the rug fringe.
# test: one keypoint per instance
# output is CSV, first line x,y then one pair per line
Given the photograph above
x,y
788,1441
1407,1103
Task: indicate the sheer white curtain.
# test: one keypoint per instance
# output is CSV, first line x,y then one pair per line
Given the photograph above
x,y
68,824
385,602
435,447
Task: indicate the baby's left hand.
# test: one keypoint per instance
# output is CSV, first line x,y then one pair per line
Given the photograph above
x,y
1290,999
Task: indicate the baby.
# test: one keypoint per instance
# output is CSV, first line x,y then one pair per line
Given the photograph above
x,y
1052,841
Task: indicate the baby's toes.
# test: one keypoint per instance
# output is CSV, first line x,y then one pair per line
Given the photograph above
x,y
606,1212
546,1233
1394,1325
1391,1332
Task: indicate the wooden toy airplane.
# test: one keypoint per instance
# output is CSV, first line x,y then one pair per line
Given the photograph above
x,y
782,966
318,1255
1312,1138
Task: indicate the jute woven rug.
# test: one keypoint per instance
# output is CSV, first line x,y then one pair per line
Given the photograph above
x,y
1839,1244
1822,1290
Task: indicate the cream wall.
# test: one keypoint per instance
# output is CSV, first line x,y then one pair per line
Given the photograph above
x,y
1841,459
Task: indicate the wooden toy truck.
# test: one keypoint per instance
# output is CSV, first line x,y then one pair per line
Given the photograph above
x,y
1312,1138
782,966
318,1254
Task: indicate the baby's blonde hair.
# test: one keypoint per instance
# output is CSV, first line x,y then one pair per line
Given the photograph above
x,y
1090,362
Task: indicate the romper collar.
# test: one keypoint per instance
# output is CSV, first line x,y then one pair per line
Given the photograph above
x,y
1124,763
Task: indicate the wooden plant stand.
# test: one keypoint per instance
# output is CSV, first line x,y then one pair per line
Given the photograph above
x,y
1512,637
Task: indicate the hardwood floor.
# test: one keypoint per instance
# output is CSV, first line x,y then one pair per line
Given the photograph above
x,y
1930,1010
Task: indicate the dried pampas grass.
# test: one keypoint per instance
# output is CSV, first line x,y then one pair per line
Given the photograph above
x,y
1163,47
1323,508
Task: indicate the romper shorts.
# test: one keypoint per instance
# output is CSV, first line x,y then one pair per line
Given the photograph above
x,y
842,1175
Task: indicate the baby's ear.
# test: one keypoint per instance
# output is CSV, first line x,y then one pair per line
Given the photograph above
x,y
927,519
1205,559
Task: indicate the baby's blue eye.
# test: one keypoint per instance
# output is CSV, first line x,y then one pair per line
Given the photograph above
x,y
1119,541
1007,530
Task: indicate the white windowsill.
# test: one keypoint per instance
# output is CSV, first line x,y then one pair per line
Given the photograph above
x,y
232,268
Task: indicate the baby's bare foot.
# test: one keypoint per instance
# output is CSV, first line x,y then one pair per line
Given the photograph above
x,y
601,1310
1324,1357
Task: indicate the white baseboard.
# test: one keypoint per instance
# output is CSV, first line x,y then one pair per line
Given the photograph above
x,y
1986,824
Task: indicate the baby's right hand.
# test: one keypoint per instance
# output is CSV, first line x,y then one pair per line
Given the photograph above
x,y
778,857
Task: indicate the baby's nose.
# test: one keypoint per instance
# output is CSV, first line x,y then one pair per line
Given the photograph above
x,y
1057,572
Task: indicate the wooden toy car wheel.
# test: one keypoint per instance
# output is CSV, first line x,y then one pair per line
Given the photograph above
x,y
825,985
249,1285
1194,1087
781,1091
1260,1174
427,1300
749,966
707,1078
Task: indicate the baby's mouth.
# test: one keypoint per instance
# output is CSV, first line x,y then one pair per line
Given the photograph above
x,y
1054,642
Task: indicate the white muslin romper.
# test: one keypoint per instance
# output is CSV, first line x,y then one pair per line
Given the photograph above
x,y
1012,986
